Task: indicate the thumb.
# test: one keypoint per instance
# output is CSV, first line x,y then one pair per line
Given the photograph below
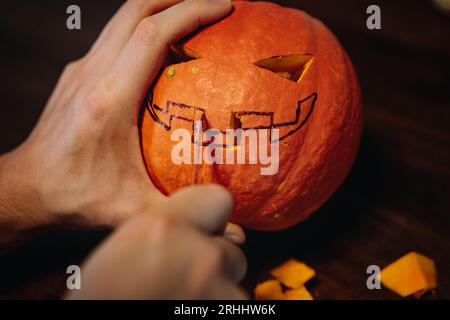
x,y
208,207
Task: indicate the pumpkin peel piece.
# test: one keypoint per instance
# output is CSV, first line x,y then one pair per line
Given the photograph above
x,y
293,274
298,294
269,290
412,274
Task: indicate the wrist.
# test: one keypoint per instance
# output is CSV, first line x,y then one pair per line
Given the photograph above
x,y
20,207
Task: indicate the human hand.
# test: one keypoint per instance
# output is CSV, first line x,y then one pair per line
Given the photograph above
x,y
177,255
82,164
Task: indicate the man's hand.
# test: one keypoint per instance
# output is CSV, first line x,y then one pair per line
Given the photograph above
x,y
176,255
82,162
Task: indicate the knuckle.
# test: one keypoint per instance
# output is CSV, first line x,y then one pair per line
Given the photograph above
x,y
108,83
85,69
140,7
147,32
137,5
78,71
166,224
197,4
72,67
95,103
98,99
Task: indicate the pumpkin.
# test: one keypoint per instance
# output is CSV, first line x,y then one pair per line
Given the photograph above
x,y
263,66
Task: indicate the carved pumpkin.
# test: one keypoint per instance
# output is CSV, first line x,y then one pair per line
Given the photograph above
x,y
263,66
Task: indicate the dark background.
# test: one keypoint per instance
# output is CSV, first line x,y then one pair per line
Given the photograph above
x,y
395,200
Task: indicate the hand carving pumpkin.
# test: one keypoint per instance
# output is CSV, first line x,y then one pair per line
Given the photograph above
x,y
262,67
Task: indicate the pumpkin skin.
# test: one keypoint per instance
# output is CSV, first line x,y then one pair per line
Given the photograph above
x,y
313,161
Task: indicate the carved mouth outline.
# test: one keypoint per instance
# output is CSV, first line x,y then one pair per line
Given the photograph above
x,y
153,109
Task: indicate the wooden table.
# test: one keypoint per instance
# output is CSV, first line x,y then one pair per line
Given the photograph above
x,y
395,200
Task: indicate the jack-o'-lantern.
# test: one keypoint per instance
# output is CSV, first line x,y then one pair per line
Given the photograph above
x,y
262,68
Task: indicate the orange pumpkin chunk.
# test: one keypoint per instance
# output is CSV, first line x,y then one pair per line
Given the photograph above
x,y
411,274
269,290
298,294
293,274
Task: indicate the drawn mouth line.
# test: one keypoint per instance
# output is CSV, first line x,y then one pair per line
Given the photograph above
x,y
174,109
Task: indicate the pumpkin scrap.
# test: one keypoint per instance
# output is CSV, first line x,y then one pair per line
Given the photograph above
x,y
412,274
269,290
298,294
293,274
272,290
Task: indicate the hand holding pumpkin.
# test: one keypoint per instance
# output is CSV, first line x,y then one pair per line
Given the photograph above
x,y
82,162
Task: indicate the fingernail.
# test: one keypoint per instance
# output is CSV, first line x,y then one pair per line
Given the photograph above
x,y
234,238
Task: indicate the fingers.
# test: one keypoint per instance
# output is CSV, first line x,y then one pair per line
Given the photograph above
x,y
163,258
119,29
234,233
207,207
234,261
144,53
224,290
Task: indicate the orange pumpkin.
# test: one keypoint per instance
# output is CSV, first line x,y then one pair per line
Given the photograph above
x,y
263,66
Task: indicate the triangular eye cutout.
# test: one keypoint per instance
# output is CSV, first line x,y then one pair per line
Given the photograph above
x,y
180,54
292,67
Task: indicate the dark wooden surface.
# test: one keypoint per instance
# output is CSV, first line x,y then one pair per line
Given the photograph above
x,y
395,200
